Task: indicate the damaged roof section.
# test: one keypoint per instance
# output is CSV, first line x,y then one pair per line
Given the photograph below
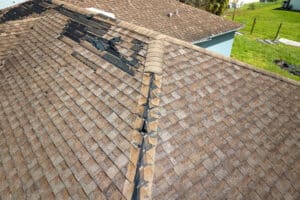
x,y
67,109
96,108
24,10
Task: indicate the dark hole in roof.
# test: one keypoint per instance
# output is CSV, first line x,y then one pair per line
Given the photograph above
x,y
83,28
23,10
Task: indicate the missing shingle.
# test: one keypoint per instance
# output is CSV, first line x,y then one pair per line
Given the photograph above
x,y
118,62
79,32
75,31
23,10
137,45
93,25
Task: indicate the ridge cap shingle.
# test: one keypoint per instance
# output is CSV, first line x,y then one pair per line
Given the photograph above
x,y
154,58
140,172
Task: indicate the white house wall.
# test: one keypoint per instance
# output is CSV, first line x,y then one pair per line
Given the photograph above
x,y
242,2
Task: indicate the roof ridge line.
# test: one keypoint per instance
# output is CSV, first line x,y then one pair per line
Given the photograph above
x,y
163,37
154,57
140,169
83,11
71,7
140,29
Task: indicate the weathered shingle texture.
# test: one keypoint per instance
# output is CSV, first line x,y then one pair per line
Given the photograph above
x,y
64,128
212,128
226,132
191,25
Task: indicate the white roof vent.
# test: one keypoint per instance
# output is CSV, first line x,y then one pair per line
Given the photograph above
x,y
173,13
101,12
170,14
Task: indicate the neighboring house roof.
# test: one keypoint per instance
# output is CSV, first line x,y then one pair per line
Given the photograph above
x,y
191,25
86,114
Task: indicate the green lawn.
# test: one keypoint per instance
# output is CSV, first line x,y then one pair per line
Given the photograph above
x,y
246,47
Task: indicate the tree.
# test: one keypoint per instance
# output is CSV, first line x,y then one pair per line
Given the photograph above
x,y
214,6
217,6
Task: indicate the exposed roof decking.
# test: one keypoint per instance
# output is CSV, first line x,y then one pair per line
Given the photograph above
x,y
65,128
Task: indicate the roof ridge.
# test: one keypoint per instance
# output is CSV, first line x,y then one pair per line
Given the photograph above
x,y
154,57
83,11
25,27
71,7
140,171
163,37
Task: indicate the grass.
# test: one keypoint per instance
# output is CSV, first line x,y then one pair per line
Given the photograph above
x,y
246,47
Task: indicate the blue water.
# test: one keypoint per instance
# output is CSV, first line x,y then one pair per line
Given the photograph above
x,y
9,3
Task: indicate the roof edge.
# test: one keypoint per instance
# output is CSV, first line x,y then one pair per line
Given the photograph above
x,y
233,61
237,24
83,11
160,36
71,7
216,35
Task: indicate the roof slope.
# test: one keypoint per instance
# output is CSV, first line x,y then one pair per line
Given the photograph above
x,y
10,32
225,131
97,109
65,127
191,25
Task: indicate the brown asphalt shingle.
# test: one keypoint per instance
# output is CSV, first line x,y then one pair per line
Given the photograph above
x,y
191,25
214,128
225,131
65,129
9,33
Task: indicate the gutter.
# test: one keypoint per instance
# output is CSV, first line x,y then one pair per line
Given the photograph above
x,y
216,35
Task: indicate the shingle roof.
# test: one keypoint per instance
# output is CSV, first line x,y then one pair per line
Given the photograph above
x,y
191,25
84,116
